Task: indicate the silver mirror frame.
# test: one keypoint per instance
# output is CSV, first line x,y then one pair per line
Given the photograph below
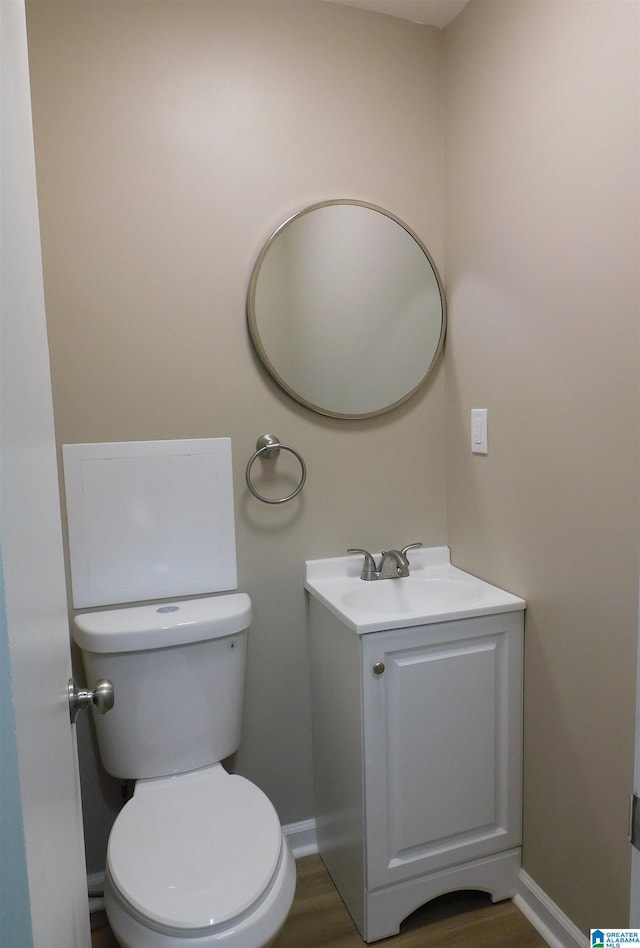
x,y
254,332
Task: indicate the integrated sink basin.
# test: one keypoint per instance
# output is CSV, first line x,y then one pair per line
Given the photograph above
x,y
435,591
410,595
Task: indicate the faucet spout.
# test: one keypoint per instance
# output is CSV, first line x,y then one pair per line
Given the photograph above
x,y
394,565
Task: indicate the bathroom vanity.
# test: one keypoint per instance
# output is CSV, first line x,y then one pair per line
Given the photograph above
x,y
417,735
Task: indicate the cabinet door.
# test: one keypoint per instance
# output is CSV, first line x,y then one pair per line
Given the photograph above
x,y
442,737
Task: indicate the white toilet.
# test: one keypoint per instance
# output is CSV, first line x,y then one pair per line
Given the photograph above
x,y
197,857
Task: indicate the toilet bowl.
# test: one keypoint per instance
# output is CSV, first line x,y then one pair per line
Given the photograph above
x,y
197,857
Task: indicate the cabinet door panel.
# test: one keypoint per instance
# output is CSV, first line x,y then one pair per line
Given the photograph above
x,y
442,735
437,756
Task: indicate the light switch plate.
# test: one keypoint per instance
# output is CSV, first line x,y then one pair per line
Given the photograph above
x,y
479,441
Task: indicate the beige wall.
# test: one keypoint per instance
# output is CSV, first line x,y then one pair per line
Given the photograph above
x,y
171,139
542,282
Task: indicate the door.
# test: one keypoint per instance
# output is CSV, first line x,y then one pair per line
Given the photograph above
x,y
35,635
634,901
442,745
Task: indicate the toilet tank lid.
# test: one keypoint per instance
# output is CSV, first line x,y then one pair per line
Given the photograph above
x,y
160,625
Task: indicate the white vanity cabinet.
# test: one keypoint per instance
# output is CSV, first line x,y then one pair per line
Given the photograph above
x,y
417,739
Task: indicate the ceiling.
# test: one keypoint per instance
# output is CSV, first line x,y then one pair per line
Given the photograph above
x,y
432,12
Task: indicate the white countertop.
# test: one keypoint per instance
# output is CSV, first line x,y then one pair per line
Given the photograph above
x,y
435,591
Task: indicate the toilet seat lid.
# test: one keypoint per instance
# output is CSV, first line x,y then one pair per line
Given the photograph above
x,y
193,851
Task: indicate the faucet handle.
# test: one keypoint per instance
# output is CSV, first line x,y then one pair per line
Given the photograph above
x,y
369,570
410,546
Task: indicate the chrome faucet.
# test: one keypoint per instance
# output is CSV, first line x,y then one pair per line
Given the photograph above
x,y
393,565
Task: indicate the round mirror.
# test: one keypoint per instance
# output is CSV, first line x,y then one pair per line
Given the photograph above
x,y
346,309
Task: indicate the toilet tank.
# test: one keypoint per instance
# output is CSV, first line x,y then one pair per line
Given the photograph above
x,y
178,676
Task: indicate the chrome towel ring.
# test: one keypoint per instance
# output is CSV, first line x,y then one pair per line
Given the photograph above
x,y
268,446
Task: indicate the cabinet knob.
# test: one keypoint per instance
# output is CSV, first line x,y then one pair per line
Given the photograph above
x,y
378,668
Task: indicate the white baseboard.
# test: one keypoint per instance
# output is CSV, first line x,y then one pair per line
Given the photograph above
x,y
549,921
302,838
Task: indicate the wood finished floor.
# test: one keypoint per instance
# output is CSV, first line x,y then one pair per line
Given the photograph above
x,y
318,919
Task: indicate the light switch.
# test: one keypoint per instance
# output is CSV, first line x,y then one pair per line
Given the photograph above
x,y
479,443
